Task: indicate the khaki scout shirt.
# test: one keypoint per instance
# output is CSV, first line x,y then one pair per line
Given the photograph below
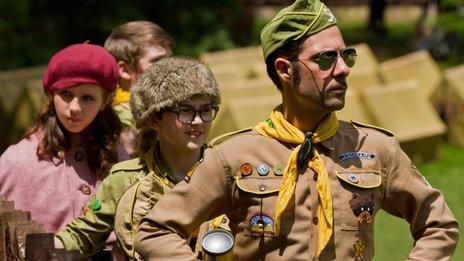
x,y
135,203
362,163
88,232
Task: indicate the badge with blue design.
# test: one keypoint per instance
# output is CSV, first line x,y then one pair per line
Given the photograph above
x,y
353,178
263,169
261,225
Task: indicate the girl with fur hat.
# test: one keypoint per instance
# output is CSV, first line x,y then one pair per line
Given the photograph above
x,y
72,144
173,105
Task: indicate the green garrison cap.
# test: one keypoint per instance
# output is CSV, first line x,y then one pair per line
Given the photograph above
x,y
302,18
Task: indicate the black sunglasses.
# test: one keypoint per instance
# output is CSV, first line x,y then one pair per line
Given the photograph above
x,y
327,59
187,115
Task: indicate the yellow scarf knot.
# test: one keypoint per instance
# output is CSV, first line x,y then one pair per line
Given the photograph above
x,y
121,96
277,127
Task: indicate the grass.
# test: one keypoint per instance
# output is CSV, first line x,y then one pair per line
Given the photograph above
x,y
392,237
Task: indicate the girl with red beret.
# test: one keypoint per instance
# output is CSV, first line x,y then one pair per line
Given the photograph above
x,y
73,142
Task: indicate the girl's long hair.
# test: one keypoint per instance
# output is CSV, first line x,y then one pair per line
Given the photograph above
x,y
101,138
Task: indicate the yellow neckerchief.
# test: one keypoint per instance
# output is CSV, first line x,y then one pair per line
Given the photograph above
x,y
121,96
280,129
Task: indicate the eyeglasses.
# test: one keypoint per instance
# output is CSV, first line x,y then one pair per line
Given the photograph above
x,y
187,115
327,59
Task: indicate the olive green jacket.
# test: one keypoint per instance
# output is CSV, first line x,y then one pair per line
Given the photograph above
x,y
135,203
89,232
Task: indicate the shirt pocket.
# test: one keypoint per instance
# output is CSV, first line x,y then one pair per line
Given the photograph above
x,y
360,188
257,199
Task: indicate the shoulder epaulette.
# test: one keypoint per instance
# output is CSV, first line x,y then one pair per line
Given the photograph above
x,y
132,164
385,131
223,137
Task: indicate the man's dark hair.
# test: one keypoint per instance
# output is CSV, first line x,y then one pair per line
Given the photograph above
x,y
290,51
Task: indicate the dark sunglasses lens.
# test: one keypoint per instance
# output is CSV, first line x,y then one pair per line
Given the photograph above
x,y
327,59
349,56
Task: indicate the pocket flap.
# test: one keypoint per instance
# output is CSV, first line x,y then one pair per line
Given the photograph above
x,y
256,185
361,178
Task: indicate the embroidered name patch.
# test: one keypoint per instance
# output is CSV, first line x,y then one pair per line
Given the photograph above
x,y
356,155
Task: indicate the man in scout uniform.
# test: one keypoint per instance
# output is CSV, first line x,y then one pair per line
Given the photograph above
x,y
302,185
134,45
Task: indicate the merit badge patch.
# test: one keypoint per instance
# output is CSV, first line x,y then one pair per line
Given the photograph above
x,y
261,224
363,207
95,205
356,155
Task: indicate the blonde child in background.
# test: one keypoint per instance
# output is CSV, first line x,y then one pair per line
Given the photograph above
x,y
134,45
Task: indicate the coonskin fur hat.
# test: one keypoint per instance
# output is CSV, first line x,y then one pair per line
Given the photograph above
x,y
168,82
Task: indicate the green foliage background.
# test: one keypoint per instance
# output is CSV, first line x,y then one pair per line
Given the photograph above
x,y
32,30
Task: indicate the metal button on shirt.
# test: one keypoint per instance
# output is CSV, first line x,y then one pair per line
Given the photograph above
x,y
353,178
85,189
263,169
262,187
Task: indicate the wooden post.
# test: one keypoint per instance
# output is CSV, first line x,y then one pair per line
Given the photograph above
x,y
38,246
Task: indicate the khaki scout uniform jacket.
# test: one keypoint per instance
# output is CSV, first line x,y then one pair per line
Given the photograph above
x,y
135,203
88,232
366,168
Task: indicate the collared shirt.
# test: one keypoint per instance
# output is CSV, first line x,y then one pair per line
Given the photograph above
x,y
368,171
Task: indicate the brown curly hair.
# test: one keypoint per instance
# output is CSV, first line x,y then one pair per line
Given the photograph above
x,y
100,146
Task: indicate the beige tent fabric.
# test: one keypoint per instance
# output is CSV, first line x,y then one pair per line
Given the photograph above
x,y
21,96
418,66
402,108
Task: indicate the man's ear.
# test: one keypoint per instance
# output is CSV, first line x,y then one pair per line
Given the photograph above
x,y
284,69
154,123
125,70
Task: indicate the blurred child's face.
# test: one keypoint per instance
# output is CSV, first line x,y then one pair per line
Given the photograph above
x,y
77,107
151,54
184,136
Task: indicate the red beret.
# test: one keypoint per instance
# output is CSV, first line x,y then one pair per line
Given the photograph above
x,y
81,64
